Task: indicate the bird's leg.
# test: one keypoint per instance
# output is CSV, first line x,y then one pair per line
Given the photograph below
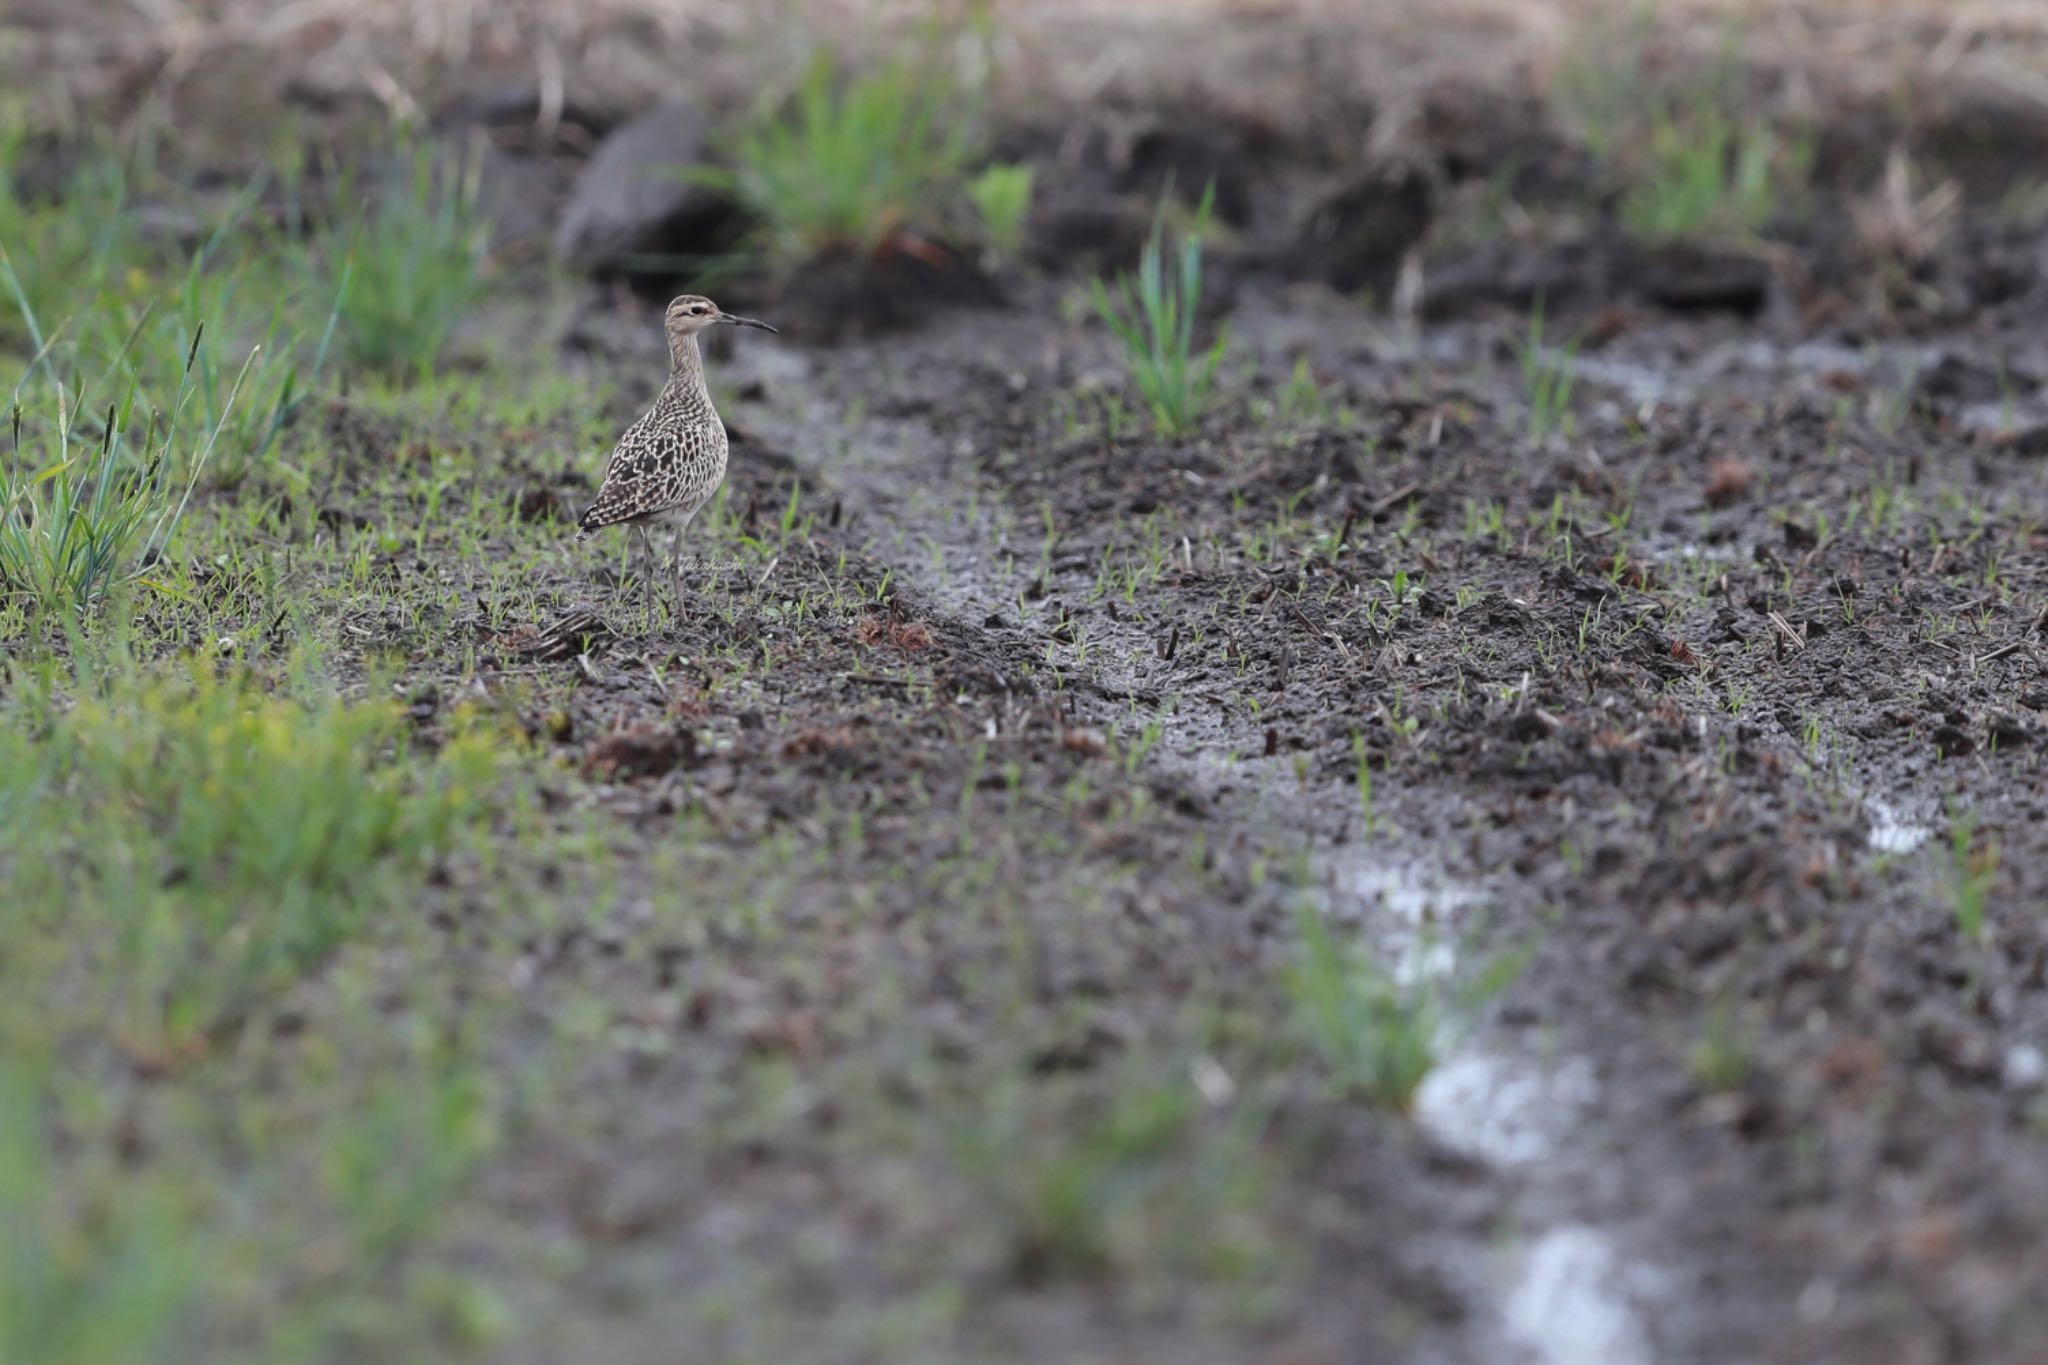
x,y
675,564
647,557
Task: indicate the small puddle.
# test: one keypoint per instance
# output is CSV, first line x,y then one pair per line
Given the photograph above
x,y
1423,907
1500,1110
1416,894
1573,1304
1642,384
1661,379
1570,1298
1891,831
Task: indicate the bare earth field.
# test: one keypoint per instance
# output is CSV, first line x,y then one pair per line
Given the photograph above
x,y
1521,835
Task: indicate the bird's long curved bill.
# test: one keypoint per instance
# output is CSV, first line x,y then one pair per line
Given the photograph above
x,y
739,321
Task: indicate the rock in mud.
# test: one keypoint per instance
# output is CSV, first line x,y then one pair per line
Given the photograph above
x,y
1958,378
2008,732
1098,183
1514,274
631,205
1690,277
901,282
1190,156
1101,230
1951,742
1355,238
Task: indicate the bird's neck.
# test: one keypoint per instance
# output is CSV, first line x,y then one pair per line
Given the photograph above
x,y
685,362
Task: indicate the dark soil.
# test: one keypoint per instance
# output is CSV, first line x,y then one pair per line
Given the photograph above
x,y
1697,724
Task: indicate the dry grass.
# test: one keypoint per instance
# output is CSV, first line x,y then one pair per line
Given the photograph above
x,y
1060,51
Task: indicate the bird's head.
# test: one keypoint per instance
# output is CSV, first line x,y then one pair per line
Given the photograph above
x,y
692,313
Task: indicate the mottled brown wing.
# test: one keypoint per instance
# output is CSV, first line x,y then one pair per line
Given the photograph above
x,y
639,478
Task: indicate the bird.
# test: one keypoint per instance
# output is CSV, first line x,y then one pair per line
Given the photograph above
x,y
669,463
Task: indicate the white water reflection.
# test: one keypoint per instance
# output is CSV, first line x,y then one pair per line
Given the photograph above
x,y
1570,1299
1574,1303
1891,831
1500,1110
1423,907
1416,894
1641,383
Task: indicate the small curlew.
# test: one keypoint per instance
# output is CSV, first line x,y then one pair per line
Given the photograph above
x,y
670,461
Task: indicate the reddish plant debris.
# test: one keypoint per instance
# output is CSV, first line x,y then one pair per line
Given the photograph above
x,y
1855,1066
1630,573
1607,324
539,503
1820,866
807,743
155,1061
1929,1239
901,243
638,749
1728,481
1083,741
892,632
1611,740
796,1033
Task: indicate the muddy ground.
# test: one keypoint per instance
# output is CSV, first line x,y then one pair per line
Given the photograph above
x,y
912,956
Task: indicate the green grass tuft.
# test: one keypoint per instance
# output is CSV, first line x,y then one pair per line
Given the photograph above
x,y
86,508
1548,378
1382,1032
850,161
1109,1186
1722,1058
89,1277
1704,174
1153,315
240,290
1379,1035
1972,872
61,252
403,274
81,294
194,842
1002,196
1691,156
